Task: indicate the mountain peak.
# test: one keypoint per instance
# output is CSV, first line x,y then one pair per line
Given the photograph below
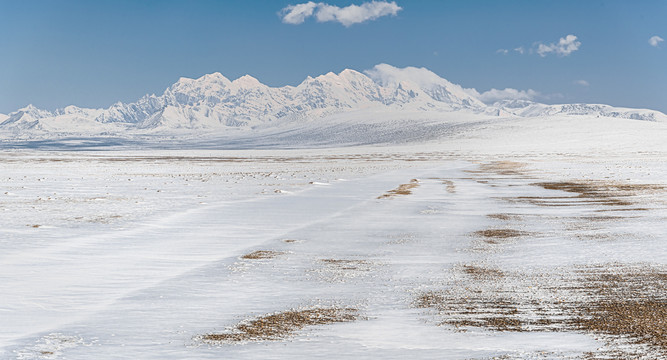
x,y
247,81
214,77
32,110
29,108
214,102
349,74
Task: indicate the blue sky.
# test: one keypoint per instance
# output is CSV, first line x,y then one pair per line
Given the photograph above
x,y
94,53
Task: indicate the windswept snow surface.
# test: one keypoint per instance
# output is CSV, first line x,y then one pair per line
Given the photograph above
x,y
121,254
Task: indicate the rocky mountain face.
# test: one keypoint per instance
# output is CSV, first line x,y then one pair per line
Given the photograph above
x,y
213,102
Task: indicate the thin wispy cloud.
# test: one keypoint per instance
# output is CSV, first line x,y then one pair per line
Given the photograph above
x,y
564,47
655,40
347,16
582,83
494,95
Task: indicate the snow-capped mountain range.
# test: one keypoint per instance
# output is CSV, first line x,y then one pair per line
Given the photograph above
x,y
213,103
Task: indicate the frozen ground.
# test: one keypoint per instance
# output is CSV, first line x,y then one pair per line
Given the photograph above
x,y
493,243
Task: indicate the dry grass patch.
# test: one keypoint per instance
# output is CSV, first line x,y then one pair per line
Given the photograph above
x,y
449,185
591,188
567,201
429,299
500,233
474,310
603,218
262,254
625,305
479,272
642,320
343,270
630,303
344,264
281,325
403,189
504,167
592,192
504,217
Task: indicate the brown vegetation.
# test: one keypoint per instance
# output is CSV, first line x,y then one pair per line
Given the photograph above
x,y
262,254
507,168
344,264
482,272
403,189
283,324
504,217
642,320
501,233
591,192
624,304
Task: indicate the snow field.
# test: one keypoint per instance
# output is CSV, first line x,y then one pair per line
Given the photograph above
x,y
148,284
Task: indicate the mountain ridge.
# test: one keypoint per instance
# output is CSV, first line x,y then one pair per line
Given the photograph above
x,y
213,103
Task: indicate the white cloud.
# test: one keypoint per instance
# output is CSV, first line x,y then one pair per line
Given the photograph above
x,y
582,82
564,47
385,75
520,50
297,14
349,15
655,40
493,95
502,51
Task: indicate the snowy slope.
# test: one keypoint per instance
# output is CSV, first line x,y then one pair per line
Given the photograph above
x,y
527,108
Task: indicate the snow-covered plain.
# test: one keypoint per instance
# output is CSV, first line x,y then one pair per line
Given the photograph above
x,y
121,254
